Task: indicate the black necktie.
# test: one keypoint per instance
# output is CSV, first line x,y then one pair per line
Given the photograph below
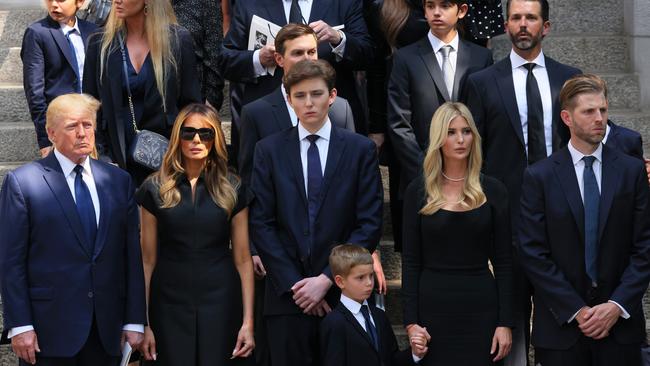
x,y
85,208
75,65
592,208
314,177
295,14
370,328
536,140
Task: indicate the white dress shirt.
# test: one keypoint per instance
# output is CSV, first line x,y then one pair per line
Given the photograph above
x,y
519,74
78,44
323,144
305,9
597,167
355,308
67,167
607,129
292,113
437,44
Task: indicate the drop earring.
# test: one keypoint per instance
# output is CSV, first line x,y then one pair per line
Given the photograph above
x,y
146,9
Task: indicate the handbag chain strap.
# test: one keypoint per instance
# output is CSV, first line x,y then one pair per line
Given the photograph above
x,y
126,81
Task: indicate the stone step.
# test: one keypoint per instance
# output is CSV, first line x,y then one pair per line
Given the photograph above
x,y
636,120
391,260
13,105
590,53
602,16
393,302
13,23
6,167
18,141
11,66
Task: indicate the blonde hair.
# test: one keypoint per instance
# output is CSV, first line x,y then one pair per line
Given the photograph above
x,y
578,85
394,14
345,256
60,107
220,183
160,36
472,195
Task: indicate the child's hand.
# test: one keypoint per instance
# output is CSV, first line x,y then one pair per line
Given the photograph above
x,y
419,345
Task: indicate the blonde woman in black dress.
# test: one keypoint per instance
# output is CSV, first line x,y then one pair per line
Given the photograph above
x,y
455,220
199,291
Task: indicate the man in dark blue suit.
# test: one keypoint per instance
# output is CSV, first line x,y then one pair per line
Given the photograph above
x,y
53,53
584,238
70,262
315,185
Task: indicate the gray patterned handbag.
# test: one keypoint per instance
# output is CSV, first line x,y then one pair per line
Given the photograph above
x,y
147,148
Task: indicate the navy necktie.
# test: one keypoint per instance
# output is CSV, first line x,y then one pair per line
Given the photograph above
x,y
370,329
75,65
592,207
295,14
314,177
85,208
536,140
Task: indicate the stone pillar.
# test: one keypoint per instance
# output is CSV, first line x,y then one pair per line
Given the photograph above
x,y
637,28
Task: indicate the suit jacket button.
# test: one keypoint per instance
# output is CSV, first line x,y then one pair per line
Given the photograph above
x,y
90,294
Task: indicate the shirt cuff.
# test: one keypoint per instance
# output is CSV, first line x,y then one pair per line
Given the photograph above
x,y
574,316
624,313
340,49
416,359
17,330
134,328
257,65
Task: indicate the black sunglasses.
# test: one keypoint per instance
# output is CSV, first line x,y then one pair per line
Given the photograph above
x,y
205,134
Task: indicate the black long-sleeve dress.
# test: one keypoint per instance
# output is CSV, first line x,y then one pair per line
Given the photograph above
x,y
195,301
447,284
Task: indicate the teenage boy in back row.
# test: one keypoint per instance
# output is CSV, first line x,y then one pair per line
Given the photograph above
x,y
355,333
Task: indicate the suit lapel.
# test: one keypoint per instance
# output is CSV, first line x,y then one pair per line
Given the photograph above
x,y
506,88
355,324
63,44
293,157
102,183
57,183
431,63
610,180
556,86
566,175
115,69
280,112
462,65
318,10
334,153
275,12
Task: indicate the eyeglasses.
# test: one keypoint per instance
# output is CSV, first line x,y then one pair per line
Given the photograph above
x,y
205,134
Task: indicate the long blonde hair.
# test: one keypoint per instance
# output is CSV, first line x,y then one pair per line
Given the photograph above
x,y
472,195
221,184
394,14
160,35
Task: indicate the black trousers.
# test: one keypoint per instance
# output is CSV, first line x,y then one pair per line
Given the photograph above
x,y
293,339
590,352
91,354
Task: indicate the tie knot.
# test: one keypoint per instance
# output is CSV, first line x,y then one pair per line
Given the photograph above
x,y
312,138
70,32
530,66
364,310
589,160
445,50
78,169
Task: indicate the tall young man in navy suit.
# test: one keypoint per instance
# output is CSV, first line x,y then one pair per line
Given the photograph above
x,y
315,185
70,262
584,239
53,53
517,113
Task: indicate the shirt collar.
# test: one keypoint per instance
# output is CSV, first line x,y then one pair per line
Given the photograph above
x,y
437,44
67,165
352,305
607,131
518,61
576,156
65,28
284,92
323,133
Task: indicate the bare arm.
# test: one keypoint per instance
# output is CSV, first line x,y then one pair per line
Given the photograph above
x,y
244,264
225,13
149,245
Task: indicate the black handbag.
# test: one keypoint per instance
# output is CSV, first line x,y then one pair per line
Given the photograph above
x,y
147,148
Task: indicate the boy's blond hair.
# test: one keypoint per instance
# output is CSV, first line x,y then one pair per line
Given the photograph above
x,y
345,256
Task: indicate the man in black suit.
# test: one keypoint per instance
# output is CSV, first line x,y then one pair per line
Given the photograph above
x,y
53,53
343,40
315,185
584,238
518,116
426,74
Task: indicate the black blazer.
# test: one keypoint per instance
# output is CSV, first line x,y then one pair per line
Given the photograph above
x,y
350,209
492,101
256,124
625,140
415,91
47,68
551,242
237,60
114,116
344,342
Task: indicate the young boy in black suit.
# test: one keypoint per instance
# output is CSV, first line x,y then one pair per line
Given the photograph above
x,y
355,333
